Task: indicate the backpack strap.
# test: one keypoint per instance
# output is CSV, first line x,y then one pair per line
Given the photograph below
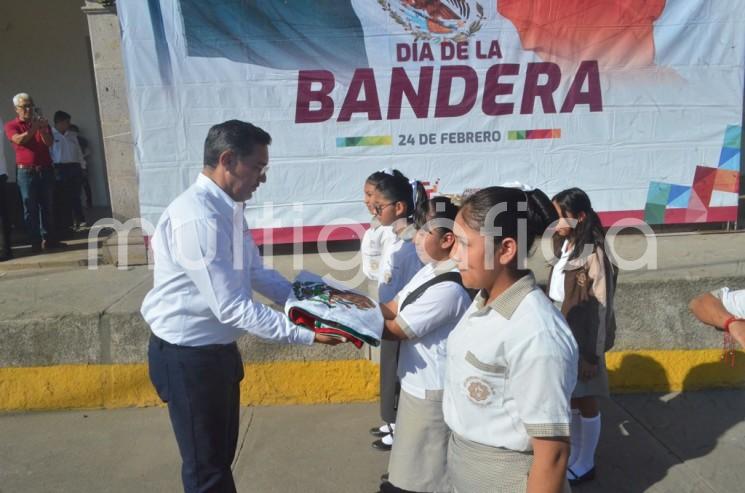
x,y
418,292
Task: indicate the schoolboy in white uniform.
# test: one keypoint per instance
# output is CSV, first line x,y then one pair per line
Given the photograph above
x,y
422,315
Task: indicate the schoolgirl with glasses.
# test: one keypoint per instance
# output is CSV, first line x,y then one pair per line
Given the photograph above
x,y
394,201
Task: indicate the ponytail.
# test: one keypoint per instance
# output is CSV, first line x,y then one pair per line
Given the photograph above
x,y
541,213
397,188
419,198
588,232
532,206
437,213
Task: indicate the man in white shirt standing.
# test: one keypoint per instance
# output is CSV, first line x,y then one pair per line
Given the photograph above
x,y
5,251
69,162
206,267
723,309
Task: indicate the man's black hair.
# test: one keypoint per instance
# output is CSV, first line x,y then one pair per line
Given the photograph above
x,y
232,135
61,116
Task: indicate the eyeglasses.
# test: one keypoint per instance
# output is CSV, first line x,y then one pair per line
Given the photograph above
x,y
262,170
379,208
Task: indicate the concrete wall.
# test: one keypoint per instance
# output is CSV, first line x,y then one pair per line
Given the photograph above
x,y
108,68
76,338
45,52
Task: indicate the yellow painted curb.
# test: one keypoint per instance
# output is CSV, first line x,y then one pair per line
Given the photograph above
x,y
673,370
112,386
316,382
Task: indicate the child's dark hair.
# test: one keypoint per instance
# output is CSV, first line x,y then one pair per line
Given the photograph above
x,y
488,204
376,178
61,116
396,188
437,213
588,232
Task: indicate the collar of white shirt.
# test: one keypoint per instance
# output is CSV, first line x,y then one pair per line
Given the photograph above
x,y
444,266
506,303
408,233
205,183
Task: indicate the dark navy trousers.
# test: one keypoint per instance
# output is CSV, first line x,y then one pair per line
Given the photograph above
x,y
390,387
201,387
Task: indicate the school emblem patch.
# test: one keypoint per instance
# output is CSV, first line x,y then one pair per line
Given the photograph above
x,y
582,278
437,20
478,390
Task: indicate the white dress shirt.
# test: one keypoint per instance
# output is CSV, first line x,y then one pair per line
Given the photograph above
x,y
427,322
733,300
203,283
511,369
66,148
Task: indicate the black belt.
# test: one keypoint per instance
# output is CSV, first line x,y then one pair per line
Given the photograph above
x,y
33,166
206,347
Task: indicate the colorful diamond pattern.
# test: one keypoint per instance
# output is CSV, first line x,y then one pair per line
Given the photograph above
x,y
697,199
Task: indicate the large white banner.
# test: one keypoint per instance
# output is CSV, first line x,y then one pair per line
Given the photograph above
x,y
638,102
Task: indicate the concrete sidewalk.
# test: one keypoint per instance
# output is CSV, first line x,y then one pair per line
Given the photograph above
x,y
74,338
679,443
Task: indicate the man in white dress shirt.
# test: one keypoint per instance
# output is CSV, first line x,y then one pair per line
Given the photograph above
x,y
68,162
206,268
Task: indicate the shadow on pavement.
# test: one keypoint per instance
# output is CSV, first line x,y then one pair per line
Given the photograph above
x,y
670,442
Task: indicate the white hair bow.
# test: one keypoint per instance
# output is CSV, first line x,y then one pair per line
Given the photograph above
x,y
518,185
413,190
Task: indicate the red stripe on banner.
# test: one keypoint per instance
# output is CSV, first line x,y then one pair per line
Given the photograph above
x,y
308,234
347,232
713,215
539,134
672,216
619,218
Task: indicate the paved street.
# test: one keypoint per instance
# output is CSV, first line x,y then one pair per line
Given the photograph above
x,y
680,443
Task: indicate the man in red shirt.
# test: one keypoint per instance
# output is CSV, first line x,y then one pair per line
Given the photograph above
x,y
31,137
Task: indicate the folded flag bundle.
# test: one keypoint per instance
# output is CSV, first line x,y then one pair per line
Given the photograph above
x,y
334,311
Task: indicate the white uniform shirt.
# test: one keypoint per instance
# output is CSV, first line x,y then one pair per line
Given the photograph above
x,y
371,249
556,292
428,322
398,262
195,301
511,369
733,301
66,148
3,161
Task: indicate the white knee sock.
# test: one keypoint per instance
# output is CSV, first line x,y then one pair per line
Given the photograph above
x,y
575,437
388,439
590,437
